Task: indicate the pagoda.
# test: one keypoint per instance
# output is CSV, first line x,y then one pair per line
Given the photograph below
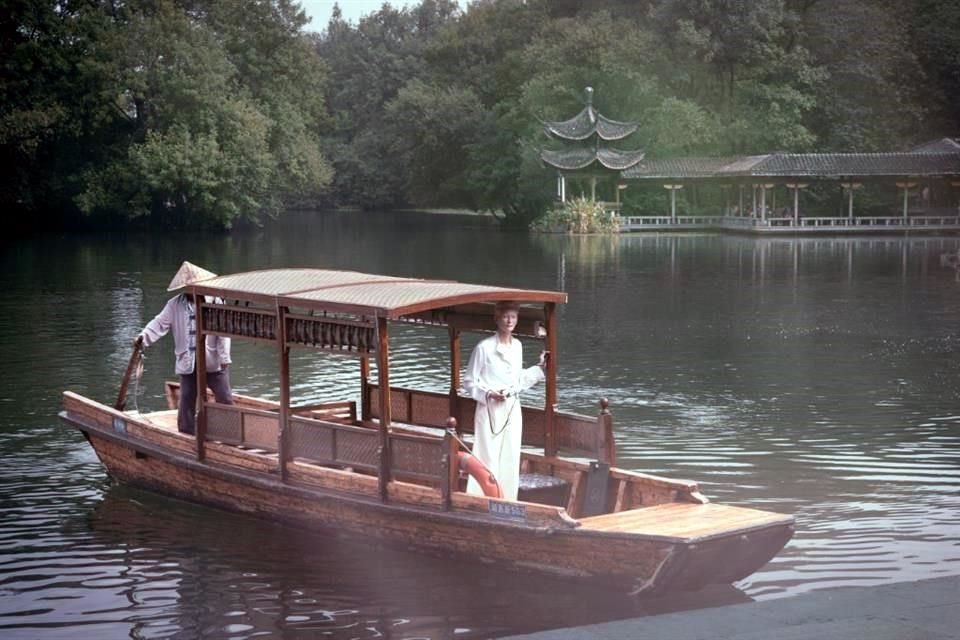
x,y
586,153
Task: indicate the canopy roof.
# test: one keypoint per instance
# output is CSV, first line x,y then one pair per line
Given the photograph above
x,y
820,165
578,159
360,293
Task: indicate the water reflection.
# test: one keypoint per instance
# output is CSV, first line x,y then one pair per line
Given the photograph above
x,y
812,376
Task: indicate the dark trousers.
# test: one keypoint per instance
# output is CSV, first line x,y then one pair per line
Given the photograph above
x,y
218,382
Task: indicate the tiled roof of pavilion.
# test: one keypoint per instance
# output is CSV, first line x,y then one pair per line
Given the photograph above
x,y
943,145
587,123
584,158
817,165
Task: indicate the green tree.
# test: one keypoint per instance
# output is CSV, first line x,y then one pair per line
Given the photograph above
x,y
369,64
428,127
872,96
192,113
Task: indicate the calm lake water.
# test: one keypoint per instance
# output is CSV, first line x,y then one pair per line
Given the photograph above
x,y
812,376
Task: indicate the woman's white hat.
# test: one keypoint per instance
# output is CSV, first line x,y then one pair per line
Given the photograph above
x,y
187,274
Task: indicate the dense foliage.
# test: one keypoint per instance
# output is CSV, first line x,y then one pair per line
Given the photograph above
x,y
193,113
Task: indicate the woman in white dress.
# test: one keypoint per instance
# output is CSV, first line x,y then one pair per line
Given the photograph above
x,y
494,378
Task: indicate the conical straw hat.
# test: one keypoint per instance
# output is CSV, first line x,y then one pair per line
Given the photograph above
x,y
188,273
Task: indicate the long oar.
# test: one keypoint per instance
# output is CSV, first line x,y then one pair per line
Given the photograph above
x,y
131,367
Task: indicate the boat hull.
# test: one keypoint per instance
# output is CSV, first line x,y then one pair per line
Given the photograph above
x,y
516,536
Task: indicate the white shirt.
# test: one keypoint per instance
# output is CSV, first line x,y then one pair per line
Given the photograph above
x,y
179,314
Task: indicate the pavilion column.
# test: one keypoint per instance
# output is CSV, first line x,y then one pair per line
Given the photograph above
x,y
754,209
763,200
850,187
795,187
741,212
906,186
672,188
955,184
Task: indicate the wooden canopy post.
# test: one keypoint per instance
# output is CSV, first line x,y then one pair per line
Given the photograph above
x,y
455,361
200,369
451,446
550,394
364,388
383,379
283,437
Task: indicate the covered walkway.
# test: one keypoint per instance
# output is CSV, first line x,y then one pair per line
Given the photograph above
x,y
916,190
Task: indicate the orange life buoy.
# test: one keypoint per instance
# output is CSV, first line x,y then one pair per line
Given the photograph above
x,y
472,465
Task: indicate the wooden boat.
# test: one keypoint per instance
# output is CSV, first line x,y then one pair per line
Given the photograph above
x,y
388,468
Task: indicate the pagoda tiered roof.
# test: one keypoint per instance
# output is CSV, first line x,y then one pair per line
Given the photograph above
x,y
589,123
591,130
579,159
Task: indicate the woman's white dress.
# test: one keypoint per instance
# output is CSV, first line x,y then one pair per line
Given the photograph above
x,y
498,427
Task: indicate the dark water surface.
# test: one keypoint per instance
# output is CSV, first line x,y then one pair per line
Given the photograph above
x,y
816,377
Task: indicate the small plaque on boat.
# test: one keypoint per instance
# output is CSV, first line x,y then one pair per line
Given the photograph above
x,y
119,425
507,510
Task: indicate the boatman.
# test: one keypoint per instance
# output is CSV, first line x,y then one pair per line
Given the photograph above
x,y
494,378
180,315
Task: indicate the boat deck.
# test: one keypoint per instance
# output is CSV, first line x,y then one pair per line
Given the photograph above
x,y
684,520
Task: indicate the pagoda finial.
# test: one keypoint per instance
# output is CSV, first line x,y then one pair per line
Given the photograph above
x,y
588,94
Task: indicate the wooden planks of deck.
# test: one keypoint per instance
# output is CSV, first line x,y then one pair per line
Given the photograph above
x,y
685,520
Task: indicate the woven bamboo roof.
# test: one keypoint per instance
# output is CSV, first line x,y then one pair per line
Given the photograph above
x,y
361,293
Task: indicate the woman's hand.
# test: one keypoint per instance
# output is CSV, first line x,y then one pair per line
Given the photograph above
x,y
498,396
